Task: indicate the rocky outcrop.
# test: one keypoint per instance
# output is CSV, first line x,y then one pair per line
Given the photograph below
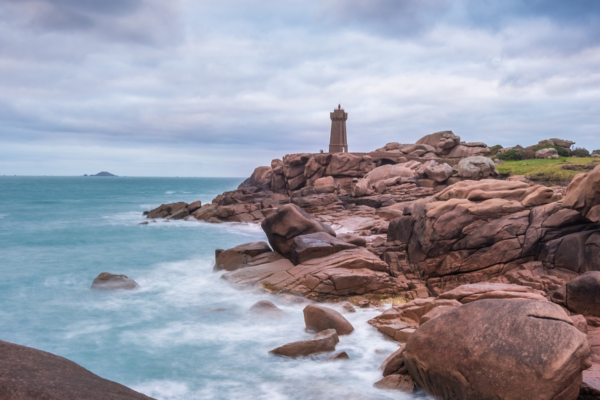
x,y
500,349
400,322
477,168
27,373
288,222
239,256
547,153
347,273
443,142
482,291
583,195
174,210
319,318
316,245
349,165
464,150
322,342
507,231
260,179
108,281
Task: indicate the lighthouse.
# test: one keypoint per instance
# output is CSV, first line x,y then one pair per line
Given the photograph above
x,y
338,143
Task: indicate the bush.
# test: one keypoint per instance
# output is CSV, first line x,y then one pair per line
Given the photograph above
x,y
511,155
596,152
494,149
580,152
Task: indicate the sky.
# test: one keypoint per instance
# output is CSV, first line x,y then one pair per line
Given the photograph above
x,y
216,88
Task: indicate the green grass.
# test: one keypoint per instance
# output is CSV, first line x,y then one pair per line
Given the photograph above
x,y
550,171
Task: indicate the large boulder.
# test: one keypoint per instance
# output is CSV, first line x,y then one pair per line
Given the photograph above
x,y
546,153
27,373
583,294
346,164
443,141
316,245
465,150
108,281
389,171
319,318
321,342
237,257
583,194
476,168
438,172
290,221
499,349
260,178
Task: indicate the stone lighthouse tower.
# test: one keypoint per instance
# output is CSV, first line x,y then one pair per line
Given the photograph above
x,y
338,142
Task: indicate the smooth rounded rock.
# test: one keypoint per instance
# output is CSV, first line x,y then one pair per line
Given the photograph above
x,y
108,281
266,308
499,349
583,294
319,318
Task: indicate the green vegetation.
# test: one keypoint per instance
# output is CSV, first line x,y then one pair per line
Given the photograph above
x,y
494,149
511,155
549,171
580,152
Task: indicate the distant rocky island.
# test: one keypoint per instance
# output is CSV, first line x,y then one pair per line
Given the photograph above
x,y
103,173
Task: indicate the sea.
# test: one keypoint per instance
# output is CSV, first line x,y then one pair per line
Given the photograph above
x,y
185,334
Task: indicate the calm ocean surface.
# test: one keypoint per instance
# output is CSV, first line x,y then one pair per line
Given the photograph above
x,y
185,334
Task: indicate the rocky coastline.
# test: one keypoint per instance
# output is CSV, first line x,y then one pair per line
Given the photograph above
x,y
494,281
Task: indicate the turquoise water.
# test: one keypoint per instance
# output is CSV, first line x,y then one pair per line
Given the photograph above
x,y
186,334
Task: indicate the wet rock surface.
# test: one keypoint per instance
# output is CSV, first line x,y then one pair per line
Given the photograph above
x,y
27,373
324,341
108,281
319,318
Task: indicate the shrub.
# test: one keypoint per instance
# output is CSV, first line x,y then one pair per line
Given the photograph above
x,y
580,152
494,149
511,155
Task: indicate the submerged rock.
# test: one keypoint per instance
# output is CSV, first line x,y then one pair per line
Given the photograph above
x,y
321,342
319,318
27,373
499,349
339,356
266,308
108,281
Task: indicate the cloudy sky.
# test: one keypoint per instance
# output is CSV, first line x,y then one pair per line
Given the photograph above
x,y
214,88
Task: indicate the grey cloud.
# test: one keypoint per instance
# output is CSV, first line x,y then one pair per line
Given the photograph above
x,y
238,83
144,22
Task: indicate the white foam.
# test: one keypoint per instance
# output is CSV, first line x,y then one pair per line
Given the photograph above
x,y
3,215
